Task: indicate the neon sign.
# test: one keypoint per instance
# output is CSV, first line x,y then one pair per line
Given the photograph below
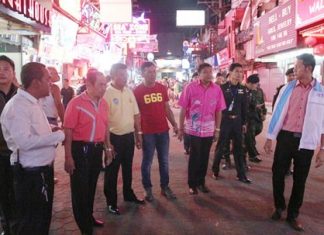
x,y
32,9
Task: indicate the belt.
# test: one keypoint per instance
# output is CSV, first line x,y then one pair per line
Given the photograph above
x,y
38,168
92,144
231,116
294,134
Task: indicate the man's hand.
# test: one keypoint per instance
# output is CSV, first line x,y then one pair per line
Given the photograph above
x,y
319,158
175,129
109,155
69,165
216,135
268,146
180,134
138,141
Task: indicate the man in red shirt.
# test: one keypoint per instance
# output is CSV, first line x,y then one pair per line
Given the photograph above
x,y
87,135
152,99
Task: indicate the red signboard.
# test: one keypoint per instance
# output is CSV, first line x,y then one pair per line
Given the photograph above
x,y
29,8
223,58
308,12
275,31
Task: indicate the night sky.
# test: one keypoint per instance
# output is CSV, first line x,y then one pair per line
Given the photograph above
x,y
162,14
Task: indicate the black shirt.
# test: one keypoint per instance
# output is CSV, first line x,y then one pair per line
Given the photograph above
x,y
235,99
67,94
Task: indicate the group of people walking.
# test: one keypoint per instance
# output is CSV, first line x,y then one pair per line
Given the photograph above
x,y
103,125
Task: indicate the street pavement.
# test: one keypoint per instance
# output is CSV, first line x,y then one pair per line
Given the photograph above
x,y
230,208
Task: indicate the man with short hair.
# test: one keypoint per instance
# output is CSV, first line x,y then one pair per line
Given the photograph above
x,y
67,92
233,122
32,142
7,203
124,124
254,120
220,79
87,135
290,76
201,104
152,99
297,125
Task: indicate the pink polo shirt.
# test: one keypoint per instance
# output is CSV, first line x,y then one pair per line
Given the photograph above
x,y
201,104
88,121
294,119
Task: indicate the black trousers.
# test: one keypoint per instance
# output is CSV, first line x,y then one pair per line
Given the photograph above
x,y
198,160
88,163
124,148
7,196
34,190
230,129
286,150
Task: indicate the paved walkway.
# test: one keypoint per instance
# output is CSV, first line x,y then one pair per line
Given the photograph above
x,y
230,208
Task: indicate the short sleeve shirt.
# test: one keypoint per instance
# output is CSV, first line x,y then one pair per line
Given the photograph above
x,y
201,105
122,108
87,120
151,102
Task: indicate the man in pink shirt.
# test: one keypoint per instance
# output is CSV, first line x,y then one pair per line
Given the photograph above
x,y
201,104
297,125
86,136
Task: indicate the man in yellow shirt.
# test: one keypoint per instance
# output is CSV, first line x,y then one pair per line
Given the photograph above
x,y
124,123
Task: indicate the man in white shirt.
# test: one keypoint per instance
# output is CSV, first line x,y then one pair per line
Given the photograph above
x,y
32,142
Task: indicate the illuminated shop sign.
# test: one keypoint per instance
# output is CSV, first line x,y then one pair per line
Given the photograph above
x,y
29,8
309,12
276,31
90,16
137,27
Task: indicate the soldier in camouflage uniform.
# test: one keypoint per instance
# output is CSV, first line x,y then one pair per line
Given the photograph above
x,y
256,115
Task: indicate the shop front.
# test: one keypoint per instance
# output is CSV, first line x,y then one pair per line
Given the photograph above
x,y
22,23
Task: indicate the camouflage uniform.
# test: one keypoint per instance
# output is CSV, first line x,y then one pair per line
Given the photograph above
x,y
256,115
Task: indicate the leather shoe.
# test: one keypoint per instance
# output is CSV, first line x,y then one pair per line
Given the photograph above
x,y
255,159
245,180
203,188
276,215
193,191
295,224
97,223
135,200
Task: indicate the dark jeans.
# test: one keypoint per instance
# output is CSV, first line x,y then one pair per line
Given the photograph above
x,y
124,148
286,150
230,128
198,160
160,142
7,196
88,163
34,189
